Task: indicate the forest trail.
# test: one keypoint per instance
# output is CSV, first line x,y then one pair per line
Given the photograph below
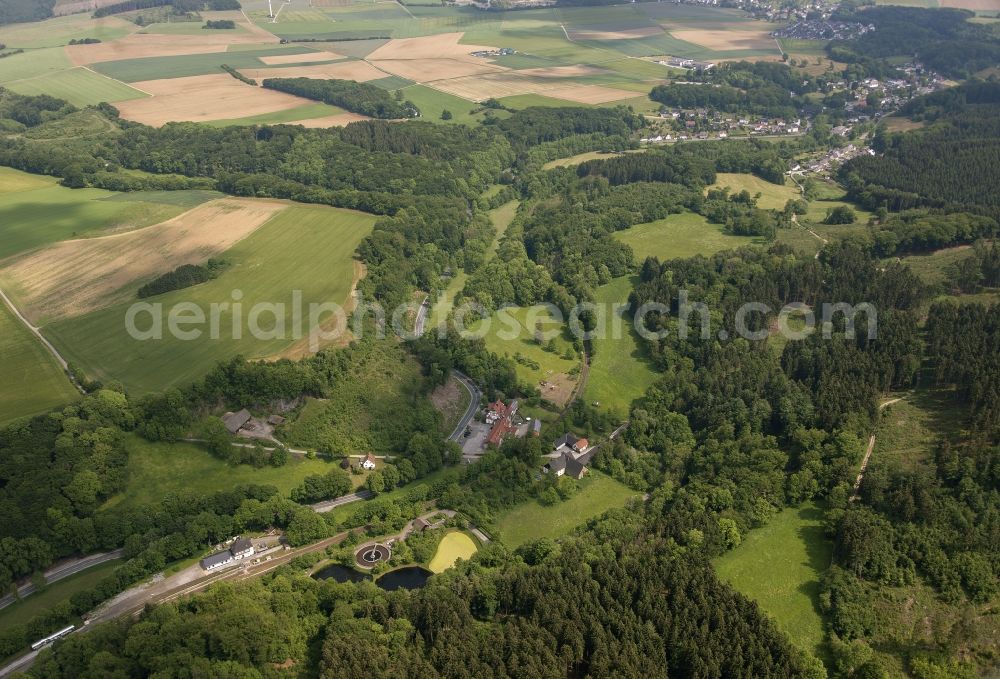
x,y
868,453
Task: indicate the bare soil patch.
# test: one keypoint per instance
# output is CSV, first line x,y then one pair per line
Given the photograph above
x,y
563,71
299,58
338,120
617,35
587,94
557,389
139,45
441,46
201,98
727,39
76,276
343,70
429,70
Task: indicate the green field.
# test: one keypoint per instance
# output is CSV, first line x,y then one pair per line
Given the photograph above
x,y
531,520
158,469
36,211
431,103
304,248
679,236
453,547
910,431
78,86
570,161
40,381
619,370
511,334
60,30
779,566
773,197
289,116
189,28
153,68
20,612
33,63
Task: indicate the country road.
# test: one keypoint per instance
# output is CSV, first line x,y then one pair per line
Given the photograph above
x,y
356,496
421,320
868,453
62,570
41,338
475,396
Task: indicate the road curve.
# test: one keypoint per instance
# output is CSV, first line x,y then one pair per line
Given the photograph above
x,y
475,396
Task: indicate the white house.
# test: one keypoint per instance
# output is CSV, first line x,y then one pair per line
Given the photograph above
x,y
368,462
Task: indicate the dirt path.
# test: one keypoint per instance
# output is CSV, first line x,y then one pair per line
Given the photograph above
x,y
41,338
868,453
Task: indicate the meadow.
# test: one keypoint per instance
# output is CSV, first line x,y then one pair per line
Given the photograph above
x,y
41,383
304,248
779,566
679,236
185,65
455,546
597,493
159,469
288,116
910,430
36,211
620,372
932,267
79,86
773,196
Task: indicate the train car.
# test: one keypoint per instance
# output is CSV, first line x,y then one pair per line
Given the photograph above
x,y
52,637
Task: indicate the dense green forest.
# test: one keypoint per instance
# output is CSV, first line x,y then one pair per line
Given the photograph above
x,y
952,164
942,39
369,100
17,11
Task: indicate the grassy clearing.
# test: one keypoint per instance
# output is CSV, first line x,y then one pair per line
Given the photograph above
x,y
32,64
910,430
677,236
159,469
529,521
511,333
932,267
779,567
578,158
619,370
78,86
773,197
54,594
431,103
40,382
308,249
41,212
454,546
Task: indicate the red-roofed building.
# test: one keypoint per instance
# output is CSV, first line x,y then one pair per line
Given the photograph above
x,y
501,417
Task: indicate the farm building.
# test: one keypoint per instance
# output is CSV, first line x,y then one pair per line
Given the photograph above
x,y
236,421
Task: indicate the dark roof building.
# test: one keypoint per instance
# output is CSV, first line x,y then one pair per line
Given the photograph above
x,y
241,547
557,465
574,468
236,421
216,560
568,439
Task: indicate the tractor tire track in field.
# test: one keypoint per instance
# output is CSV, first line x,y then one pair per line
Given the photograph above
x,y
41,338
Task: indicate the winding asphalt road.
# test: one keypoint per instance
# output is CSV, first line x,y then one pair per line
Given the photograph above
x,y
475,396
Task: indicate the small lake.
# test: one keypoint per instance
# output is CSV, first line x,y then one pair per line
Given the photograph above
x,y
339,573
410,577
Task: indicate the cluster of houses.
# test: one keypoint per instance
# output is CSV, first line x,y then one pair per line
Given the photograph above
x,y
685,63
823,29
569,457
832,158
239,550
700,124
502,52
242,423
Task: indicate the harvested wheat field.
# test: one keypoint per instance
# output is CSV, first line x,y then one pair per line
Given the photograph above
x,y
563,71
586,94
338,120
202,98
625,34
280,59
725,39
511,83
73,277
342,70
429,70
139,45
441,46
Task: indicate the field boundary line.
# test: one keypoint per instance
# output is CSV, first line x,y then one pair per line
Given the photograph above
x,y
48,345
122,82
